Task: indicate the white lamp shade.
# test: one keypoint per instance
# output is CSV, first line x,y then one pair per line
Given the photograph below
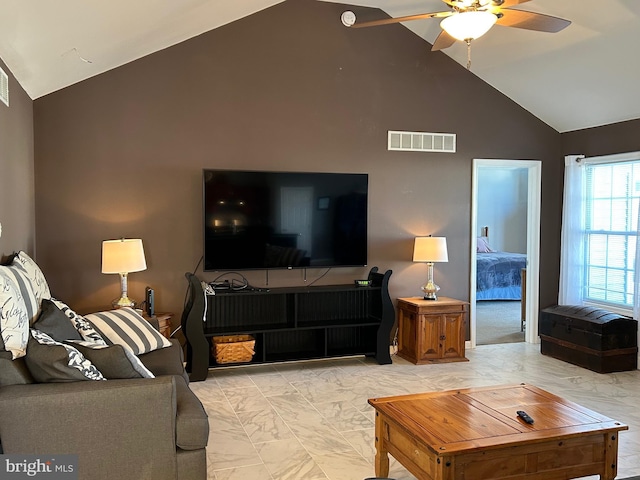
x,y
123,256
430,249
468,25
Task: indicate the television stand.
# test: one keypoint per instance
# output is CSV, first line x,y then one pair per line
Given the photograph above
x,y
291,323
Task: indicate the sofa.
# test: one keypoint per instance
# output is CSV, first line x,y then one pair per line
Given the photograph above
x,y
106,387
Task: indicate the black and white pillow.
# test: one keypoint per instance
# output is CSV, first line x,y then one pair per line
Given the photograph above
x,y
51,361
84,328
32,271
113,361
14,319
55,323
18,278
126,327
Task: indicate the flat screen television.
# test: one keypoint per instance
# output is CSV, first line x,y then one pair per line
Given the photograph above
x,y
266,220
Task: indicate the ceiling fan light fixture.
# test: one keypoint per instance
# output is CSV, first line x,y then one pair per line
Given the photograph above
x,y
468,25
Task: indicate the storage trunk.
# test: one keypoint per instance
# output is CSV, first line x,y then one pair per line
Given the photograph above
x,y
590,337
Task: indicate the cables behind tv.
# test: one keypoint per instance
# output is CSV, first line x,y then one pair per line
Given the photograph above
x,y
328,270
235,281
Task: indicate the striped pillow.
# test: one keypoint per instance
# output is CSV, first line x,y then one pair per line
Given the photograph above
x,y
36,278
24,291
14,321
22,288
126,327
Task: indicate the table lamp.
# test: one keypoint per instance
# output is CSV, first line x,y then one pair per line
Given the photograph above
x,y
430,249
123,256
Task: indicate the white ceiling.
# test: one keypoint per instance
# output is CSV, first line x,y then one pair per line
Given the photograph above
x,y
586,75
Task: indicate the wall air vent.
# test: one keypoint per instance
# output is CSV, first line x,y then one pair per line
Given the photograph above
x,y
4,87
422,142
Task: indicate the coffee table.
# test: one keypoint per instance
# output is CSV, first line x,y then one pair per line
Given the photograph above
x,y
475,433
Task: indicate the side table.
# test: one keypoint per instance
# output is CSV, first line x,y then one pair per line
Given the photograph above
x,y
164,322
432,331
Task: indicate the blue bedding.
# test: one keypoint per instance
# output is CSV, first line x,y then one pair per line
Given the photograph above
x,y
498,275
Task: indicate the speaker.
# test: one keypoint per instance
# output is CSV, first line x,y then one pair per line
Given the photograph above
x,y
150,301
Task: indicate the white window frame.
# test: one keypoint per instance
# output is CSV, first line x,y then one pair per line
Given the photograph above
x,y
605,159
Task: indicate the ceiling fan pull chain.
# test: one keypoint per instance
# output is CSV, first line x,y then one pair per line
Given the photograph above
x,y
468,54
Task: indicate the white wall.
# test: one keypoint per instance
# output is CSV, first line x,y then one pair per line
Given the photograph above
x,y
502,206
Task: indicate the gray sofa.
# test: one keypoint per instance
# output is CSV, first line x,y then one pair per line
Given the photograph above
x,y
124,428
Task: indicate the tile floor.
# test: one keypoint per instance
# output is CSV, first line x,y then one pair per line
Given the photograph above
x,y
311,420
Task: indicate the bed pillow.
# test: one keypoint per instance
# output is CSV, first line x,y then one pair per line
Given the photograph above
x,y
483,245
51,361
14,320
55,323
84,328
126,327
113,361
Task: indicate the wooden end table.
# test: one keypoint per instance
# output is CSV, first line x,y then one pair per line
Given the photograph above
x,y
164,322
475,434
432,331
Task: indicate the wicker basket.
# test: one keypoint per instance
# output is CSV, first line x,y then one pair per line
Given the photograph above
x,y
233,348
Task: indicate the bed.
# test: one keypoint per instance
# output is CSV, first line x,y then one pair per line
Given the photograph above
x,y
498,274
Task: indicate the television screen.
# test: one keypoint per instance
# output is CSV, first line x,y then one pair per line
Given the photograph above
x,y
260,220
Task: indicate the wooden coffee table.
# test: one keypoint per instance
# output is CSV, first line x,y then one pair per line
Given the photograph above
x,y
474,433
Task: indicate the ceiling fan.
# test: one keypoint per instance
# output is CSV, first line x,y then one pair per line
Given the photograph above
x,y
467,20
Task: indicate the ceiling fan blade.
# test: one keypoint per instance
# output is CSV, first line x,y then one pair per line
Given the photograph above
x,y
532,21
387,21
444,40
466,4
508,3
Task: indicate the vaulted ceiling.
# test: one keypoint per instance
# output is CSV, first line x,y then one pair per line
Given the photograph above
x,y
583,76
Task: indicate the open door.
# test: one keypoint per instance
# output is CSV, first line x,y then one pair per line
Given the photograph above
x,y
530,287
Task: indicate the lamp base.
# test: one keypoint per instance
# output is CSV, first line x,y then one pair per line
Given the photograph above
x,y
430,288
123,302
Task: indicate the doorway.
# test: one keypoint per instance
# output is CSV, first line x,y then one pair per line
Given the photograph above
x,y
296,211
526,236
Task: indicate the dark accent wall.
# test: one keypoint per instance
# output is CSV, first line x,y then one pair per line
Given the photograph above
x,y
288,88
605,140
17,200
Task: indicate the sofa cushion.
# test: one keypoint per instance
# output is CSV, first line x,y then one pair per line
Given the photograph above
x,y
13,372
166,361
51,361
55,323
113,361
14,320
126,327
192,424
84,328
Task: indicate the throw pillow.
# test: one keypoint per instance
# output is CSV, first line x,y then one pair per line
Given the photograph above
x,y
113,361
126,327
55,323
12,372
36,278
14,321
84,328
22,284
51,361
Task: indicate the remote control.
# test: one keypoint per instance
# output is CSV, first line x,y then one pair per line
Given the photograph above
x,y
525,417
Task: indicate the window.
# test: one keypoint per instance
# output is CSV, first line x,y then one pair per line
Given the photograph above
x,y
612,198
